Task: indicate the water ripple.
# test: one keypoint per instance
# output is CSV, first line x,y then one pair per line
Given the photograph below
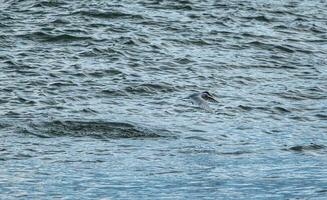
x,y
93,98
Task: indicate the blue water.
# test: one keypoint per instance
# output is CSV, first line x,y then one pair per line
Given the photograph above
x,y
94,99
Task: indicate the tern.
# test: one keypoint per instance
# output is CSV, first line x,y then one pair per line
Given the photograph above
x,y
201,99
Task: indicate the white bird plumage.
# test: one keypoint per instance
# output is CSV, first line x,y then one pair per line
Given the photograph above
x,y
201,99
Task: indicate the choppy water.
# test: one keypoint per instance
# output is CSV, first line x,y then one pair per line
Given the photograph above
x,y
93,99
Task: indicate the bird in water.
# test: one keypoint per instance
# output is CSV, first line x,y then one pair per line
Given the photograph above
x,y
201,99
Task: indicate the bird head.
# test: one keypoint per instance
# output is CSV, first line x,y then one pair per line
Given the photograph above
x,y
208,96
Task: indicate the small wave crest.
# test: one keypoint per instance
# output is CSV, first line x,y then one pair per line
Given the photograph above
x,y
303,148
107,14
149,88
97,129
47,37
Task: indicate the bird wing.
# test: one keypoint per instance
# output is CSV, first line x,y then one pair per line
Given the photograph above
x,y
200,102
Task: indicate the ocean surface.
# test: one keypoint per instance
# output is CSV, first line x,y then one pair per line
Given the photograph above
x,y
94,99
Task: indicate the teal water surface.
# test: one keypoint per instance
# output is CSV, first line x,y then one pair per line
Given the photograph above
x,y
94,99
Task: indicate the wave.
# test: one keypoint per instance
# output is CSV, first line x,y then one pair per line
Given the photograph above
x,y
302,148
107,14
45,37
261,18
149,87
97,129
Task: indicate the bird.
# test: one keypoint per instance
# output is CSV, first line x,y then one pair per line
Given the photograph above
x,y
201,99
